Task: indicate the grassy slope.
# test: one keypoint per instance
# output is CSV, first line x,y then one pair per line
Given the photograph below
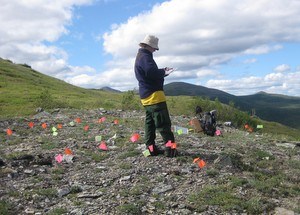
x,y
20,88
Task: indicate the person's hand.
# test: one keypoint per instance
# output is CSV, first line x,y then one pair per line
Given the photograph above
x,y
168,70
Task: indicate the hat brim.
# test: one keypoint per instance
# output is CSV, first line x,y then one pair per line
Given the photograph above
x,y
141,43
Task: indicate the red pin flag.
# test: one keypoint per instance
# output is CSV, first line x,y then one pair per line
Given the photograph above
x,y
44,125
31,124
78,120
9,132
86,128
103,146
135,137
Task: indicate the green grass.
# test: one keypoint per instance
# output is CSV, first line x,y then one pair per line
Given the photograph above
x,y
58,211
5,207
23,90
129,209
224,197
218,195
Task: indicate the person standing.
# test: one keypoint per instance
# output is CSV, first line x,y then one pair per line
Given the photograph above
x,y
151,80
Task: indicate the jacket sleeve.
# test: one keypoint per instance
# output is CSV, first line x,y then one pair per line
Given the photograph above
x,y
150,68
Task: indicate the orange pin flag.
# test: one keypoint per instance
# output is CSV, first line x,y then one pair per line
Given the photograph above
x,y
59,126
103,146
116,122
78,120
44,125
201,163
135,137
174,146
196,160
86,128
9,131
68,151
31,124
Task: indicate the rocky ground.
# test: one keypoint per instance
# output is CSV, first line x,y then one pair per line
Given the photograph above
x,y
245,173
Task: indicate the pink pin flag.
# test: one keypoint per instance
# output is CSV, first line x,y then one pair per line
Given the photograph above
x,y
102,119
218,132
59,158
135,137
169,143
103,146
151,148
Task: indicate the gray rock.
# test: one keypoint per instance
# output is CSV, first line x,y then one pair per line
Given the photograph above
x,y
162,189
63,192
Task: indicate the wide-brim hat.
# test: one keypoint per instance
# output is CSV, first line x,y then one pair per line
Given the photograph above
x,y
151,41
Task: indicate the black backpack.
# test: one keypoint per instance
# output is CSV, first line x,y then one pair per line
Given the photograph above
x,y
207,121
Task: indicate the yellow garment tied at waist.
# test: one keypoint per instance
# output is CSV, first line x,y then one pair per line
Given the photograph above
x,y
154,98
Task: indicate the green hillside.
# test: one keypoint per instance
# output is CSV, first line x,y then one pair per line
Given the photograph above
x,y
273,107
270,107
23,89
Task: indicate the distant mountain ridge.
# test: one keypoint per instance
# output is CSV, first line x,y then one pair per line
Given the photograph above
x,y
109,89
271,107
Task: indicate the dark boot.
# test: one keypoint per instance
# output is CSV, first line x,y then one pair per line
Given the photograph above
x,y
156,151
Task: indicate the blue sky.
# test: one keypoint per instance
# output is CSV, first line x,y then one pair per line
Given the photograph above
x,y
231,45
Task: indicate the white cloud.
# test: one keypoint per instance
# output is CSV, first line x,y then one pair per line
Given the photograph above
x,y
197,37
282,68
264,49
271,83
27,25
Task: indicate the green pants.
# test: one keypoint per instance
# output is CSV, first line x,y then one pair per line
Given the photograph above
x,y
157,118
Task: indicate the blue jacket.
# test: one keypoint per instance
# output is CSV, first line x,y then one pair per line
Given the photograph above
x,y
149,76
